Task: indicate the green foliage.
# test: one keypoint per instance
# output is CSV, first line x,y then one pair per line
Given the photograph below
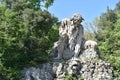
x,y
105,24
26,37
53,36
48,3
80,78
115,62
109,37
69,77
117,7
34,4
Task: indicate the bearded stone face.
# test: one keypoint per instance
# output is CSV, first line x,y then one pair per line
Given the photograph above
x,y
77,19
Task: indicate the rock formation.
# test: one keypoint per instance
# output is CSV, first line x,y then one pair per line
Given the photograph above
x,y
73,55
71,34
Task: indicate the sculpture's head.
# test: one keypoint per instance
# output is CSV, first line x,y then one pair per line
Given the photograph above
x,y
76,18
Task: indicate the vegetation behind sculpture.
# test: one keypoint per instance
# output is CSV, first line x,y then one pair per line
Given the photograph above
x,y
108,36
27,35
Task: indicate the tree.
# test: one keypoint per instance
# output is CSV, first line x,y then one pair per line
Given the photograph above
x,y
24,37
105,24
117,9
108,35
34,4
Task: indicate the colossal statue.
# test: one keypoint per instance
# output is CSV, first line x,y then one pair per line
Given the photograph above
x,y
71,33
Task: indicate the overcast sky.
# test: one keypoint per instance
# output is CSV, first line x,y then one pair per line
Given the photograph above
x,y
89,9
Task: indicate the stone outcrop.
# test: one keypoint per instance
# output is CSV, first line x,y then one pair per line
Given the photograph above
x,y
89,70
97,70
71,34
73,55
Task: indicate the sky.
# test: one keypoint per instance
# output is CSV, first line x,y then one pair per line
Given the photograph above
x,y
89,9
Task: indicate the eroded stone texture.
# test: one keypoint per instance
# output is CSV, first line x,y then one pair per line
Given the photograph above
x,y
73,55
89,50
71,34
58,70
97,70
53,70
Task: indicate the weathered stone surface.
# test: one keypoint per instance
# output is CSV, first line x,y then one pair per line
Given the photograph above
x,y
81,57
71,34
58,70
44,73
97,70
53,70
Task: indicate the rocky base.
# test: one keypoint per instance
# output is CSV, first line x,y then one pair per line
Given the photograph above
x,y
74,57
97,70
58,70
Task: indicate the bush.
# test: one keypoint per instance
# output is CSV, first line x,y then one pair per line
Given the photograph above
x,y
69,77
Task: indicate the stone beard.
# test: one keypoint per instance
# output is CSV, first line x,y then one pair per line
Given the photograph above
x,y
71,34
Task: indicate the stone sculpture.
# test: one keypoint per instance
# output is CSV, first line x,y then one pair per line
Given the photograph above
x,y
71,34
90,44
71,43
